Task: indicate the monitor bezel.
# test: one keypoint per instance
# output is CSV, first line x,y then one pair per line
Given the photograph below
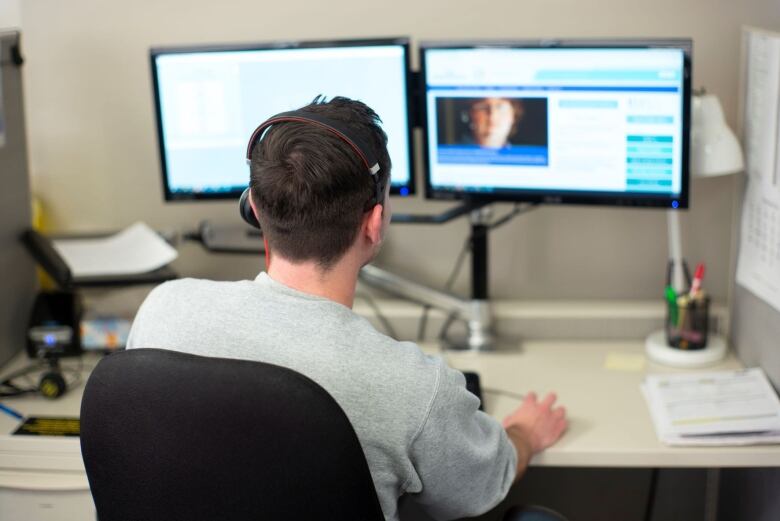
x,y
549,196
407,189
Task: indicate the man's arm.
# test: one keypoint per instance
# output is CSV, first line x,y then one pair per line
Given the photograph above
x,y
533,427
463,462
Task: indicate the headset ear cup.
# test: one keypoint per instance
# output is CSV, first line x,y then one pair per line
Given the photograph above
x,y
245,208
52,385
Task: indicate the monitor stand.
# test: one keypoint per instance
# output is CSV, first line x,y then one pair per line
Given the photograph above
x,y
476,312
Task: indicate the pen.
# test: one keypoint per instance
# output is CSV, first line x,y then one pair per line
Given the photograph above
x,y
696,284
11,412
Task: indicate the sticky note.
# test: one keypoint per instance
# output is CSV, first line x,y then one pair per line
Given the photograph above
x,y
624,362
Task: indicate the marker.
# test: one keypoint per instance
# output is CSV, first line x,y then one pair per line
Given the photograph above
x,y
682,303
11,412
696,284
671,300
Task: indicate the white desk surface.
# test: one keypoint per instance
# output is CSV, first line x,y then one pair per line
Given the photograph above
x,y
609,422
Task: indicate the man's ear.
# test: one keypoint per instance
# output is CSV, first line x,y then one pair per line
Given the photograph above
x,y
373,223
254,208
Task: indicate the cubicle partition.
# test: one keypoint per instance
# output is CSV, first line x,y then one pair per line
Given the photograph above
x,y
17,272
750,493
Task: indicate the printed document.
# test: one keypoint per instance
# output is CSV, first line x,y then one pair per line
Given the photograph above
x,y
714,408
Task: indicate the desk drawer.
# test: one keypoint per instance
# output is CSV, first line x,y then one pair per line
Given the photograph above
x,y
41,497
38,505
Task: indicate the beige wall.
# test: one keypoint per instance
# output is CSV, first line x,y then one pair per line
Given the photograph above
x,y
10,14
94,155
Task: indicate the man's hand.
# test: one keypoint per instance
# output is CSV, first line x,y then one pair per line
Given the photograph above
x,y
534,426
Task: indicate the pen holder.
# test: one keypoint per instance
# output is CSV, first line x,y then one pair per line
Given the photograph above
x,y
687,322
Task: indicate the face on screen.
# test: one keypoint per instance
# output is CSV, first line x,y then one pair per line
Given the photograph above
x,y
492,120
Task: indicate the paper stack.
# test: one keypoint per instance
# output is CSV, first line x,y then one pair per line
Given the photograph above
x,y
136,249
714,408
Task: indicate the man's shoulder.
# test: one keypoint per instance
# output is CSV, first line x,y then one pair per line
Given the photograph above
x,y
189,288
185,297
189,283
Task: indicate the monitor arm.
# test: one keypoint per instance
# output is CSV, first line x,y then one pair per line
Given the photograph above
x,y
475,311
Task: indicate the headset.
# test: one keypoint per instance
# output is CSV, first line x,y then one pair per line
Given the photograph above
x,y
52,383
358,145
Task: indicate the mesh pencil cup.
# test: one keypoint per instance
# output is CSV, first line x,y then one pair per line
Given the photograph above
x,y
687,321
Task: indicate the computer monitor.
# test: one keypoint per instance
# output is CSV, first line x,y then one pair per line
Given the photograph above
x,y
584,122
209,100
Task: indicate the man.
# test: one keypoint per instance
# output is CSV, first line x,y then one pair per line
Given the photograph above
x,y
324,218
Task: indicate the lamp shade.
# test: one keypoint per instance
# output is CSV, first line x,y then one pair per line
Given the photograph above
x,y
714,147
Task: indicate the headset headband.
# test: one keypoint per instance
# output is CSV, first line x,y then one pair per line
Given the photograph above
x,y
355,143
358,145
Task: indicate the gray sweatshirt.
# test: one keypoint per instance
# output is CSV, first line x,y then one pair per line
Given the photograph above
x,y
420,429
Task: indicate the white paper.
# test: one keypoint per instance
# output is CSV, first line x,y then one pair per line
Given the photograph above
x,y
723,408
758,265
136,249
762,85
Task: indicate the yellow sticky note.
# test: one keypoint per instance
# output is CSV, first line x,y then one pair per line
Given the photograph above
x,y
624,362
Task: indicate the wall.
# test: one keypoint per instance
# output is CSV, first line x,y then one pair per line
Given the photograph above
x,y
10,14
94,152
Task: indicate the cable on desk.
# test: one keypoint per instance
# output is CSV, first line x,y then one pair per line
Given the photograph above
x,y
490,390
445,327
447,287
9,388
78,371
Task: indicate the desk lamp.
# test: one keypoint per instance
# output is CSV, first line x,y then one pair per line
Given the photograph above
x,y
715,151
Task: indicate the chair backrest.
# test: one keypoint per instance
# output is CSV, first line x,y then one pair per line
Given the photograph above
x,y
172,436
532,513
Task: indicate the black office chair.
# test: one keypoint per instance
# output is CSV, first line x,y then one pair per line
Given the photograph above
x,y
532,513
171,436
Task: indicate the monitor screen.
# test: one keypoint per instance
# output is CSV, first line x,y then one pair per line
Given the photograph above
x,y
209,100
563,122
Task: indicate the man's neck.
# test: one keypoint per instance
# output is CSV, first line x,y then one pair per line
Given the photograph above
x,y
337,284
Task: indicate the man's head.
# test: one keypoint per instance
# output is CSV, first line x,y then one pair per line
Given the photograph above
x,y
311,190
494,120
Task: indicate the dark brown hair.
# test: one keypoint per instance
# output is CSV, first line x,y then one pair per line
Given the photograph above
x,y
310,188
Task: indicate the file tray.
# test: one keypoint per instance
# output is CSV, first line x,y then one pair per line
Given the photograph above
x,y
44,253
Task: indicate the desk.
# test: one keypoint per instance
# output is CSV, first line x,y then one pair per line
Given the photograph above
x,y
609,422
43,478
610,425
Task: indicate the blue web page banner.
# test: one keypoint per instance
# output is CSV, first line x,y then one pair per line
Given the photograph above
x,y
584,88
516,155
